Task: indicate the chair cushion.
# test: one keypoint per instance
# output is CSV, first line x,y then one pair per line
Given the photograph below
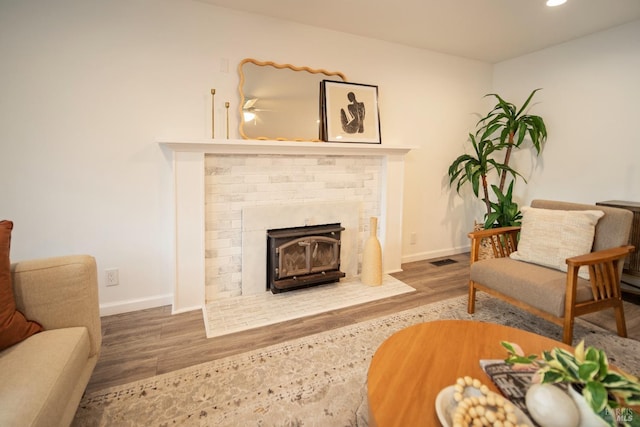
x,y
548,236
540,287
612,229
13,325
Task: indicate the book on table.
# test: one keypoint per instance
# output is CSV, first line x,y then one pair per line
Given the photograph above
x,y
513,381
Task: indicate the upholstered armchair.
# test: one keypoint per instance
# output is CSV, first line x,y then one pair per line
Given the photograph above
x,y
564,261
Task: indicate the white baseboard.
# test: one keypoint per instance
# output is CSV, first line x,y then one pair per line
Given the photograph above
x,y
161,300
434,254
187,309
135,304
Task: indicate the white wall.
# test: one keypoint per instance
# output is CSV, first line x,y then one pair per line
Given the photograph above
x,y
591,88
87,87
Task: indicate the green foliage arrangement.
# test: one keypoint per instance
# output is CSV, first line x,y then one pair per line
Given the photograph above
x,y
504,128
587,369
505,211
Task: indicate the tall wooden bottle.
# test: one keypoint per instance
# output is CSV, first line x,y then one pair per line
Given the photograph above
x,y
372,257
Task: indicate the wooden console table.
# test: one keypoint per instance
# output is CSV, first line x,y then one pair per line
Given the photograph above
x,y
412,366
632,263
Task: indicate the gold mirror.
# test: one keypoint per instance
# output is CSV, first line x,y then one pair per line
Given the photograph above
x,y
281,101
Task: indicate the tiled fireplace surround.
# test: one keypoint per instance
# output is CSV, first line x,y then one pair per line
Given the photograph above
x,y
228,192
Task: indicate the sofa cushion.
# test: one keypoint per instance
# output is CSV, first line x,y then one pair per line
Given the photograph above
x,y
40,373
548,236
14,327
541,287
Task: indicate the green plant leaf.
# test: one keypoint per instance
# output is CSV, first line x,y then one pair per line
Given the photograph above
x,y
633,400
615,380
522,132
587,371
526,103
551,377
568,362
596,396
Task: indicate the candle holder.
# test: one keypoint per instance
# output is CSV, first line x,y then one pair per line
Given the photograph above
x,y
226,105
213,113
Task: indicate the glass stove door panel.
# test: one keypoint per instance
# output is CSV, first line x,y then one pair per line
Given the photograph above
x,y
293,259
324,254
308,255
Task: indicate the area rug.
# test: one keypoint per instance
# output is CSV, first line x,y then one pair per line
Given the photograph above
x,y
319,380
236,314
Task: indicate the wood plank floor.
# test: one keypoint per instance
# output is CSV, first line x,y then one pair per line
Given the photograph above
x,y
145,343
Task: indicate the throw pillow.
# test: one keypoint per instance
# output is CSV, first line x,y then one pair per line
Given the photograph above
x,y
548,236
14,327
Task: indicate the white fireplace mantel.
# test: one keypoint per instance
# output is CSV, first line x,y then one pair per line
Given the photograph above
x,y
244,146
189,201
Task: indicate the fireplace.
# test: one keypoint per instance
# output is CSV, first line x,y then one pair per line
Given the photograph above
x,y
300,257
228,268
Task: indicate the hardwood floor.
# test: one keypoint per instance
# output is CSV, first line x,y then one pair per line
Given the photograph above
x,y
149,342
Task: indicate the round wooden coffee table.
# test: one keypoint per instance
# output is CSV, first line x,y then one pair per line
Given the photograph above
x,y
412,366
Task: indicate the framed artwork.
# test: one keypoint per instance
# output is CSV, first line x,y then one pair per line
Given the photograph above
x,y
349,112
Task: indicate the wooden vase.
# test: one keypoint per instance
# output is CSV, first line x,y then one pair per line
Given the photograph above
x,y
372,257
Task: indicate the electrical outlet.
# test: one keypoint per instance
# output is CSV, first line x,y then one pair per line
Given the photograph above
x,y
413,239
112,277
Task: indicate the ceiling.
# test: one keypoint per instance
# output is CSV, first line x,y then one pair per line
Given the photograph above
x,y
485,30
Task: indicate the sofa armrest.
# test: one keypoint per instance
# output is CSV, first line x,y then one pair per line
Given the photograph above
x,y
503,241
60,292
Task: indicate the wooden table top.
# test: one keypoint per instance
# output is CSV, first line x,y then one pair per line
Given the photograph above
x,y
412,366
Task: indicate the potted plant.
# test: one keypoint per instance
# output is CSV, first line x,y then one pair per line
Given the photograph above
x,y
608,393
504,128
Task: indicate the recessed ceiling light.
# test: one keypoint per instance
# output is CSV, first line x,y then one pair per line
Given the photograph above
x,y
552,3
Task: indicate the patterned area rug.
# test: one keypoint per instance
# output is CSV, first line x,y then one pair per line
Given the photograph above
x,y
319,380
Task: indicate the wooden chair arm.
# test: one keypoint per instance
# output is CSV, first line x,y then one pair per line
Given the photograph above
x,y
480,234
598,257
604,272
503,241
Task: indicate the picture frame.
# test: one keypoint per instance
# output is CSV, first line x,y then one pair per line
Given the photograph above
x,y
349,112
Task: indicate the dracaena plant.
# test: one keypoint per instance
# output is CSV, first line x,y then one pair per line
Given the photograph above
x,y
513,125
474,168
603,389
504,128
504,212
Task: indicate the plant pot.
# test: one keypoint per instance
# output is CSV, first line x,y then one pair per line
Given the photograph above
x,y
588,418
485,251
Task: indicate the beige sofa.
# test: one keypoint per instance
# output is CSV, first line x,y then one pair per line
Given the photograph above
x,y
43,377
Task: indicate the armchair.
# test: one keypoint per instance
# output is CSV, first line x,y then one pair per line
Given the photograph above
x,y
555,295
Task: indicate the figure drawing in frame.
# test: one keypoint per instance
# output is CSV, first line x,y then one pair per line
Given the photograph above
x,y
350,112
355,122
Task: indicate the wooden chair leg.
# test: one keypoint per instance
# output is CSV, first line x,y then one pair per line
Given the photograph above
x,y
471,305
621,324
567,330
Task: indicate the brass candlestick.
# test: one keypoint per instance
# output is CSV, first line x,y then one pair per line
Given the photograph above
x,y
226,105
213,113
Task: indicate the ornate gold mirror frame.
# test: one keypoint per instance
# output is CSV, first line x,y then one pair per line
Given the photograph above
x,y
281,101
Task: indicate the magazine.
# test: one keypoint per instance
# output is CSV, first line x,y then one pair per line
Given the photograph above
x,y
513,381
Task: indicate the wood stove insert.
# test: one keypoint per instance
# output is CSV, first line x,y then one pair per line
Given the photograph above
x,y
300,257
